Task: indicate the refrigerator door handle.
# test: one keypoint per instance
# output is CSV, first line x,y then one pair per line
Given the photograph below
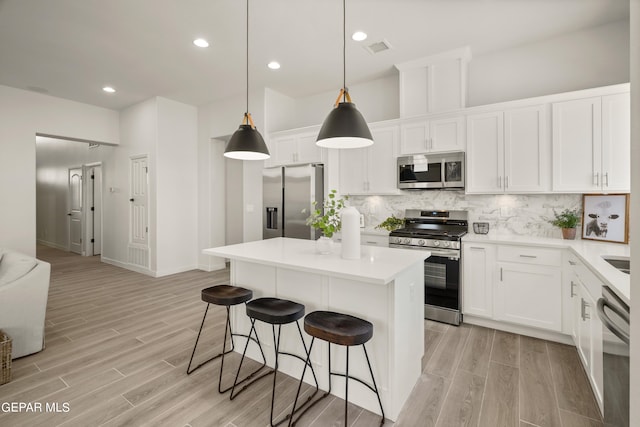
x,y
272,218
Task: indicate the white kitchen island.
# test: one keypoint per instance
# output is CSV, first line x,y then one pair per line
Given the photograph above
x,y
385,286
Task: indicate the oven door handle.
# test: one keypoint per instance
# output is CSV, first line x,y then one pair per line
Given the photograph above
x,y
608,323
445,253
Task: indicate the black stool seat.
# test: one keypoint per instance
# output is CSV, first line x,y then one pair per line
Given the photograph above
x,y
226,295
275,311
338,328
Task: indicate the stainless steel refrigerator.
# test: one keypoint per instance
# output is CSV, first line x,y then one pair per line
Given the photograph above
x,y
288,194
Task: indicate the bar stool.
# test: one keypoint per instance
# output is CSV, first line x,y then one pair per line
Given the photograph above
x,y
345,330
275,311
225,295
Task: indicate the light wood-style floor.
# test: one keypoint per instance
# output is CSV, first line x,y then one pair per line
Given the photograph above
x,y
118,342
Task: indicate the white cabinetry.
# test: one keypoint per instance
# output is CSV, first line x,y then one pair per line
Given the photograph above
x,y
591,144
433,84
508,151
371,170
295,147
517,284
477,278
586,325
432,134
528,288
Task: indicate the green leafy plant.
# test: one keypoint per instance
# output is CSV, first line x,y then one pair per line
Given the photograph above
x,y
327,218
566,219
391,223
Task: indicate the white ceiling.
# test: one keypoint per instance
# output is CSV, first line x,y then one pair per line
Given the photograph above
x,y
143,48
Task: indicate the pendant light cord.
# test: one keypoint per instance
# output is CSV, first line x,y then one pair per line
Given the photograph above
x,y
247,61
344,48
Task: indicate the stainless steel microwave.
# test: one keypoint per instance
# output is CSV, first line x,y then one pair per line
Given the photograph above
x,y
431,171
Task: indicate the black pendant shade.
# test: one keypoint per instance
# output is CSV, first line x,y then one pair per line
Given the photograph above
x,y
344,127
246,144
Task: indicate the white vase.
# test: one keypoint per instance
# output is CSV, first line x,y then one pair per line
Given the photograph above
x,y
324,245
350,233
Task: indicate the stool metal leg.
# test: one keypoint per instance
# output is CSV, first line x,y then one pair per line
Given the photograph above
x,y
251,375
226,329
346,389
374,383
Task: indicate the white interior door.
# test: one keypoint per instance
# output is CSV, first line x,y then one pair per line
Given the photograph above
x,y
75,210
139,213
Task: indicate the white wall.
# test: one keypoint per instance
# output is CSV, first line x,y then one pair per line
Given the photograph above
x,y
138,127
54,157
22,115
595,57
176,186
635,209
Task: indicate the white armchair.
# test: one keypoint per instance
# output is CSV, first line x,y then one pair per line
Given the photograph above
x,y
24,289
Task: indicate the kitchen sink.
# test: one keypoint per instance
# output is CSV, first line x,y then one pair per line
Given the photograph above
x,y
621,263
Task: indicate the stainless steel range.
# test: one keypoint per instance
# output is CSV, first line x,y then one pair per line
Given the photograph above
x,y
439,232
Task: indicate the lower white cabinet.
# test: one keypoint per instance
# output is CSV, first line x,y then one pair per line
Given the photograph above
x,y
587,326
516,284
374,240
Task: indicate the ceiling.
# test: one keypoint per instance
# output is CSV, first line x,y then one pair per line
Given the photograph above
x,y
143,48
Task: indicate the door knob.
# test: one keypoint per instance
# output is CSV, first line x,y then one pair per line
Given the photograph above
x,y
69,214
131,200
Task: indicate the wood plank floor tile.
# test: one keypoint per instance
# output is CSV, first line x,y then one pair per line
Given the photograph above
x,y
100,413
501,397
447,355
333,415
464,401
431,341
425,402
537,395
572,385
569,419
506,349
475,358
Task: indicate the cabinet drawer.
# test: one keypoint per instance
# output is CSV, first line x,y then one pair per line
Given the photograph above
x,y
530,255
374,240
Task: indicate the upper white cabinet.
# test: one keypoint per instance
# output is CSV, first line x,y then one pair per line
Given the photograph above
x,y
434,84
432,134
295,147
508,151
371,170
591,144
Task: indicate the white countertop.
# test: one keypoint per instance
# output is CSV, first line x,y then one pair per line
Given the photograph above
x,y
377,265
590,252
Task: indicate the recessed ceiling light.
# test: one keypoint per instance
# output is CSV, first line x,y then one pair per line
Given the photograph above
x,y
201,43
108,89
274,65
359,36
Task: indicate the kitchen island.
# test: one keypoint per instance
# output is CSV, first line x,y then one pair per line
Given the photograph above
x,y
385,287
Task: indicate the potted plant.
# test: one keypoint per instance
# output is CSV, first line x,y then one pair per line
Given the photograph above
x,y
567,220
327,220
391,223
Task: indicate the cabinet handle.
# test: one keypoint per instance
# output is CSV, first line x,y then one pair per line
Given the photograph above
x,y
501,274
583,310
528,256
371,242
596,179
476,247
499,182
506,182
572,286
605,177
431,143
572,262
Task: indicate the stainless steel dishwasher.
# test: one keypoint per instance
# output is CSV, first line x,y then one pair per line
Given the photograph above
x,y
614,314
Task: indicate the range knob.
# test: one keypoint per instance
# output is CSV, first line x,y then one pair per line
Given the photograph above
x,y
421,242
446,244
406,240
436,243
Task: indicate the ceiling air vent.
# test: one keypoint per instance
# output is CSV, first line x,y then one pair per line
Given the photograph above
x,y
378,47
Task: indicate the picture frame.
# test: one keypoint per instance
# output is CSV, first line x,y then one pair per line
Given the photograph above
x,y
605,217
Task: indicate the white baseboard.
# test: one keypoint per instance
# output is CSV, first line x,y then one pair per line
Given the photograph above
x,y
171,271
212,267
128,266
52,245
518,329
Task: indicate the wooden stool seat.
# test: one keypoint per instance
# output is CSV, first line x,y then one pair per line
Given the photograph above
x,y
275,311
226,295
338,328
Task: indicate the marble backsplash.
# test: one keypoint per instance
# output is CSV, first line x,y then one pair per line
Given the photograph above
x,y
524,215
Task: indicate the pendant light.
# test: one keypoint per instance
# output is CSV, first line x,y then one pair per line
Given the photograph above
x,y
246,143
344,127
